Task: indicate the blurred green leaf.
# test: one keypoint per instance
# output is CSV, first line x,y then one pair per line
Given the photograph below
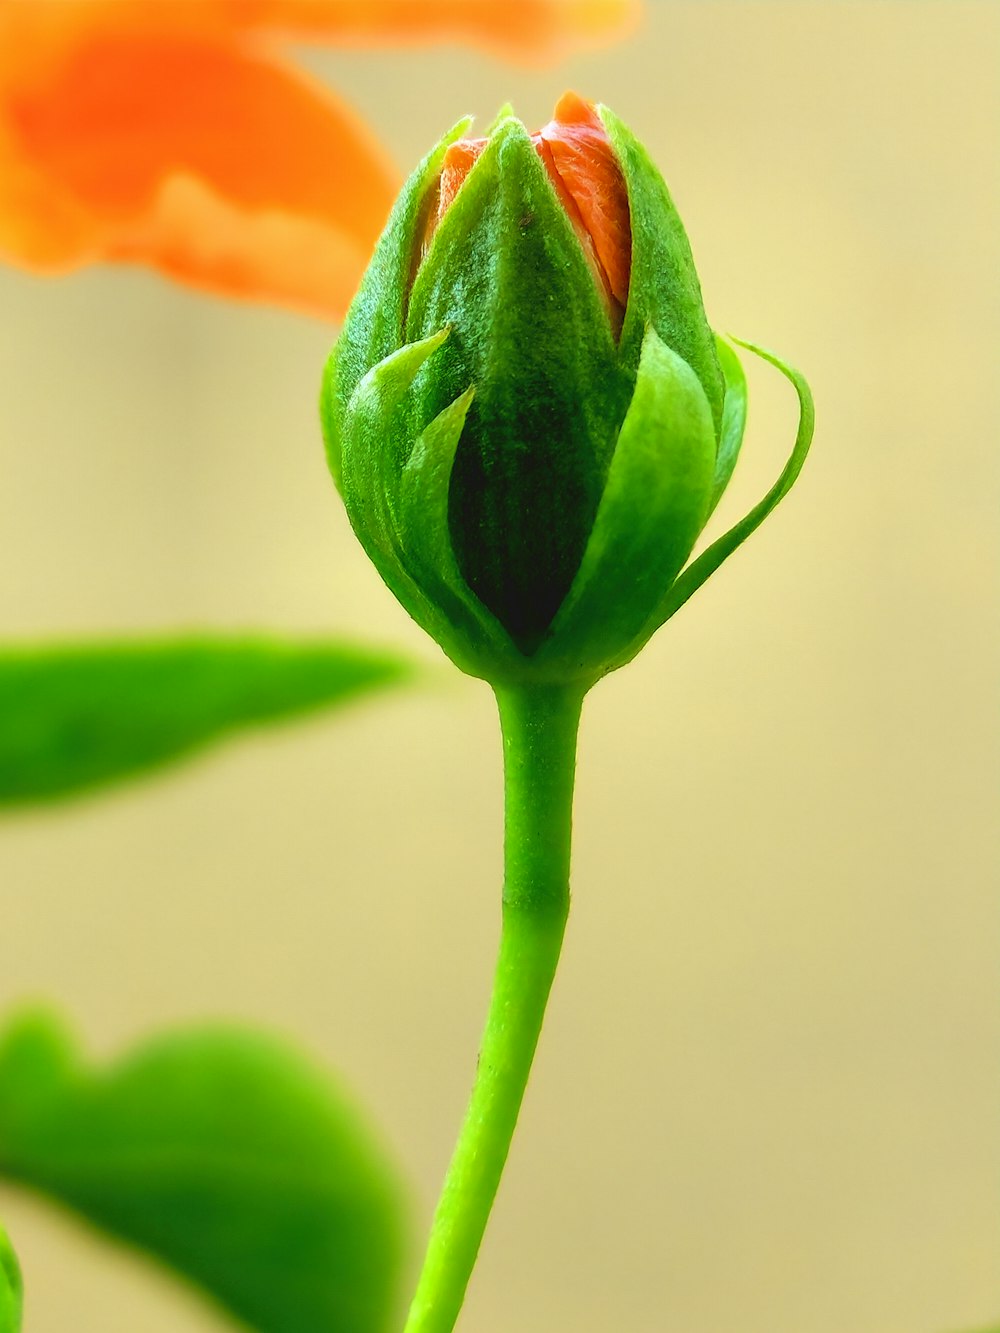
x,y
78,715
222,1152
10,1287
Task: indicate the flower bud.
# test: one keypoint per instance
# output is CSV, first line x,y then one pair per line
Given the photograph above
x,y
527,413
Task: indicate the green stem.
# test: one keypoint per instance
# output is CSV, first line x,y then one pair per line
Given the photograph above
x,y
539,725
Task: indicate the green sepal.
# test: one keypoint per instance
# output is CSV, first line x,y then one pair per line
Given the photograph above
x,y
506,272
372,437
11,1291
396,495
423,495
375,443
710,559
373,327
663,283
506,112
734,419
426,540
654,505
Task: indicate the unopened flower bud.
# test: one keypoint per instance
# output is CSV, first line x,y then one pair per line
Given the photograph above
x,y
527,413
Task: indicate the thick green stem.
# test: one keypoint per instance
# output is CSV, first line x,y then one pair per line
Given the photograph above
x,y
539,726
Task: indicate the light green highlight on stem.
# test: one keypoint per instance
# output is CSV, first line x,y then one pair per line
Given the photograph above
x,y
539,726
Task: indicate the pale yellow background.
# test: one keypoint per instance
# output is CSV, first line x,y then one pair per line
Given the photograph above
x,y
767,1092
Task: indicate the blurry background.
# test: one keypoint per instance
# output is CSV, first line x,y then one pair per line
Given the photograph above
x,y
767,1090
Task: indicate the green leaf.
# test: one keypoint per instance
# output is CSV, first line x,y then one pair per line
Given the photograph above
x,y
709,561
10,1287
74,716
652,509
223,1153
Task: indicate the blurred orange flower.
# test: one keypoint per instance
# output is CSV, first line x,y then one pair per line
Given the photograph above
x,y
170,132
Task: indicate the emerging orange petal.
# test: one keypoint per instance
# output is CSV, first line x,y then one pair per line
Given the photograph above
x,y
222,166
580,162
585,163
459,159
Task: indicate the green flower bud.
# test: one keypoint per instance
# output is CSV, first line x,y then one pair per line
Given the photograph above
x,y
527,413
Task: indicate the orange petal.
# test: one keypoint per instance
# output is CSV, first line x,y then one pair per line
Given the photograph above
x,y
224,167
586,164
520,28
527,30
459,159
